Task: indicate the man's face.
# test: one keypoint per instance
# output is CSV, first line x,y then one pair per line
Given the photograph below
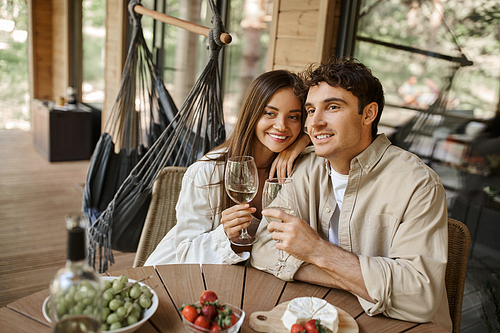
x,y
337,130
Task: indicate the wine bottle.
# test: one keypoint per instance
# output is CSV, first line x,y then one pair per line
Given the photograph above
x,y
76,290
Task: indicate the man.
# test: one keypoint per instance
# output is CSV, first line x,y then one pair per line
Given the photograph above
x,y
374,216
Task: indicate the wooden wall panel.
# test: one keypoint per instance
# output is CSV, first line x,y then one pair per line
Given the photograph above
x,y
301,5
116,20
294,53
302,32
298,24
60,57
40,48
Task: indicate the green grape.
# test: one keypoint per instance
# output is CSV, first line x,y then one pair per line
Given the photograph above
x,y
68,298
89,310
104,327
61,308
112,318
107,295
85,285
131,320
145,302
124,294
87,301
97,312
105,313
123,278
115,326
147,293
107,284
137,307
136,313
114,304
91,293
118,285
135,292
127,305
121,311
78,309
78,296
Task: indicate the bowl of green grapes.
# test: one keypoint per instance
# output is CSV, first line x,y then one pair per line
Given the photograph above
x,y
127,304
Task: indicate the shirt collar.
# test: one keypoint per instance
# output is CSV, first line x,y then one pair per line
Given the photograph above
x,y
369,157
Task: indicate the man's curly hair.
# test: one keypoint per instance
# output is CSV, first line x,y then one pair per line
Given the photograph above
x,y
350,74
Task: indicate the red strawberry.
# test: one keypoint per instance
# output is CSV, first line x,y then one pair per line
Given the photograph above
x,y
215,327
208,296
209,311
202,321
310,326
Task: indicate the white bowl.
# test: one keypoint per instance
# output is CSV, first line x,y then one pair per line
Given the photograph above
x,y
192,328
127,329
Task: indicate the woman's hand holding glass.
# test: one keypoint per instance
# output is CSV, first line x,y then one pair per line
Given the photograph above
x,y
236,218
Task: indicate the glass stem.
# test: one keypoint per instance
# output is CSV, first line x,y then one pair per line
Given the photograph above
x,y
281,258
244,233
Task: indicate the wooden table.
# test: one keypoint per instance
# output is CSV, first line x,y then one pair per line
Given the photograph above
x,y
247,287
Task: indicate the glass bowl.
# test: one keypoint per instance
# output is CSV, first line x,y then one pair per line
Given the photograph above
x,y
192,328
127,329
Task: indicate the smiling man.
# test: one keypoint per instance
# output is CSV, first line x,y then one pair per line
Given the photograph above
x,y
373,217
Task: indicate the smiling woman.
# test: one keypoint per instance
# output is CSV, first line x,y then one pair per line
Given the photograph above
x,y
271,120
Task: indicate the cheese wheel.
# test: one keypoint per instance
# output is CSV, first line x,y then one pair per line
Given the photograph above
x,y
302,309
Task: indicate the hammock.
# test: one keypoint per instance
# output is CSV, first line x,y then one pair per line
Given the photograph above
x,y
197,128
141,112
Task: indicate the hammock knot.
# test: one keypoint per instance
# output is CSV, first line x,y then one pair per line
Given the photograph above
x,y
135,18
215,32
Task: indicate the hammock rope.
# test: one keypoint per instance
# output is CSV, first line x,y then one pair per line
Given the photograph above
x,y
197,128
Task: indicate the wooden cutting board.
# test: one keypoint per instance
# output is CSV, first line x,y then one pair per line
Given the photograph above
x,y
270,321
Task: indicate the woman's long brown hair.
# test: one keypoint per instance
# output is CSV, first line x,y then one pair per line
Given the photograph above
x,y
240,141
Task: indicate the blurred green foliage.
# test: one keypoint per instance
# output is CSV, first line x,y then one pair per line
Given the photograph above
x,y
468,27
14,79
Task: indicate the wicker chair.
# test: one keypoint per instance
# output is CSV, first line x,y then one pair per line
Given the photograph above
x,y
161,214
458,254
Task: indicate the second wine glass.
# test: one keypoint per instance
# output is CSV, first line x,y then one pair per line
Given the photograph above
x,y
279,193
242,183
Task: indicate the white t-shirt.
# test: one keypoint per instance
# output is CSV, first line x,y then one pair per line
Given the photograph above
x,y
339,182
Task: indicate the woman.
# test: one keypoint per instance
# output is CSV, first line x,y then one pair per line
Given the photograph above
x,y
271,119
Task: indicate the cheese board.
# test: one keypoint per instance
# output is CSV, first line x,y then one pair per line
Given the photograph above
x,y
270,321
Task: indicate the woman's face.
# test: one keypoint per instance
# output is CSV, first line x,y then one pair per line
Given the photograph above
x,y
280,123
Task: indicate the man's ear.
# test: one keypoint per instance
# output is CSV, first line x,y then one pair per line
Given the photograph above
x,y
370,113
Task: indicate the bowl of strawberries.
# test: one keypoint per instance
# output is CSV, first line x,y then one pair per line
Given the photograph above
x,y
209,315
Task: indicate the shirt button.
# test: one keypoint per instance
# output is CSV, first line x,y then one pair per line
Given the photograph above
x,y
328,210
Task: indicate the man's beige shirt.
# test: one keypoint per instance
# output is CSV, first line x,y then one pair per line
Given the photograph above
x,y
394,217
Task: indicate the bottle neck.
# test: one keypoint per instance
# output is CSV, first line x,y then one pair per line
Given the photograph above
x,y
76,244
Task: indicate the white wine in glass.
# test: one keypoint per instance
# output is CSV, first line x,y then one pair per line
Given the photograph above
x,y
242,182
279,193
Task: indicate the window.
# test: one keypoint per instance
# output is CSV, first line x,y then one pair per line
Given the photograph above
x,y
182,55
94,41
439,64
14,81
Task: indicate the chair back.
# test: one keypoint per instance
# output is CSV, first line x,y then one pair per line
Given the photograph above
x,y
161,213
458,254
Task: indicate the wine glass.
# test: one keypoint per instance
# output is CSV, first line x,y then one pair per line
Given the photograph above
x,y
279,193
242,182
